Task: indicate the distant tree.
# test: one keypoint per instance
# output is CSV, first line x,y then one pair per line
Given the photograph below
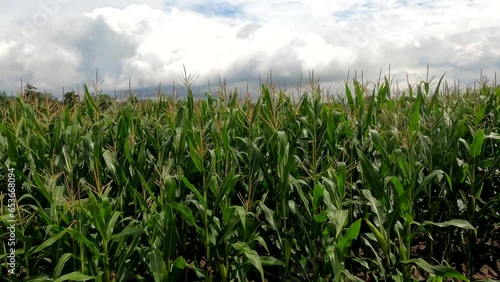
x,y
50,97
104,101
133,99
71,98
31,93
3,98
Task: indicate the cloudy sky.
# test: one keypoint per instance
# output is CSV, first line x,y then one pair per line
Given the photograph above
x,y
61,43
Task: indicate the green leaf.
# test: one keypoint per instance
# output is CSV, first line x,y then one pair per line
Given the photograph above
x,y
227,185
82,239
376,207
493,168
128,231
156,264
369,115
460,223
352,277
12,151
431,177
97,215
61,262
341,179
74,276
48,242
110,160
251,255
186,213
379,237
195,154
242,215
360,102
270,261
372,179
438,270
199,273
348,94
415,117
191,187
338,219
269,215
477,143
111,224
320,218
317,194
351,234
180,263
90,105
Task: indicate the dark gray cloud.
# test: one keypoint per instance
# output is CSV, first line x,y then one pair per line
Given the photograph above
x,y
100,47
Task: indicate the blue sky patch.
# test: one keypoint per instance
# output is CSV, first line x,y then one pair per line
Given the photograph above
x,y
218,10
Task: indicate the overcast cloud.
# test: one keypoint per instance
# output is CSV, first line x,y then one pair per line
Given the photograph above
x,y
60,43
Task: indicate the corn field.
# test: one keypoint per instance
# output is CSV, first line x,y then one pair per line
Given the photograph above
x,y
370,186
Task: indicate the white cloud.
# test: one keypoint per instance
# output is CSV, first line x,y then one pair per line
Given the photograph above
x,y
238,39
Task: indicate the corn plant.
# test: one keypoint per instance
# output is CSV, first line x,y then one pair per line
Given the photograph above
x,y
375,185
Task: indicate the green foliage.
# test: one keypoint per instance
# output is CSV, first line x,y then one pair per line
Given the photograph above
x,y
223,189
4,99
31,93
71,98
